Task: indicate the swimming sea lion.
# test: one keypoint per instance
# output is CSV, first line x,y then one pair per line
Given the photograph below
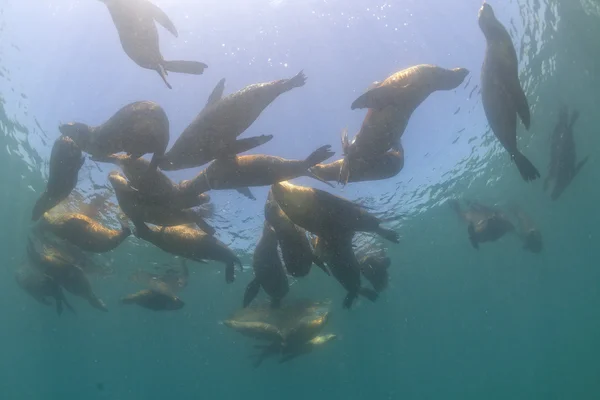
x,y
65,162
486,224
136,129
295,246
154,300
213,132
563,160
252,170
84,232
134,20
268,270
528,231
41,286
170,281
190,243
501,92
325,214
374,268
136,208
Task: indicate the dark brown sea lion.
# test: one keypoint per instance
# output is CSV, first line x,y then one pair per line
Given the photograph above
x,y
135,22
293,241
563,159
528,231
172,280
325,214
501,92
84,232
268,270
154,300
41,286
385,166
190,243
213,132
136,208
65,162
136,129
252,170
374,268
339,256
486,224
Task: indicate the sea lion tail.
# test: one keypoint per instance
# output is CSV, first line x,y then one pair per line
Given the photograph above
x,y
388,234
526,168
251,292
370,294
185,67
298,80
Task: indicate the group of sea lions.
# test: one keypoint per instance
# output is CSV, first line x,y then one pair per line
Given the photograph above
x,y
307,225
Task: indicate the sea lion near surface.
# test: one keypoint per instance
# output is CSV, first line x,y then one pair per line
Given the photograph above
x,y
374,267
269,273
171,280
528,230
190,243
154,300
41,287
485,224
65,162
138,128
135,22
252,170
501,92
325,214
214,131
563,159
84,232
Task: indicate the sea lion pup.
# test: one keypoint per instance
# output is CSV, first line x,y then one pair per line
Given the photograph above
x,y
325,214
136,208
41,286
268,270
374,267
528,230
84,232
252,170
486,224
136,129
563,160
295,246
68,275
212,134
190,243
155,300
385,166
339,256
65,162
134,20
501,92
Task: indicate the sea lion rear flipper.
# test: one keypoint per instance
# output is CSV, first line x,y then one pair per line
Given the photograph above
x,y
526,168
251,292
163,74
369,294
349,299
472,238
243,145
388,234
185,67
318,156
64,300
379,97
246,192
202,224
321,265
216,94
162,18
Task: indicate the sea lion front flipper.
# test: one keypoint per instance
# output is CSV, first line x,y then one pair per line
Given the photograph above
x,y
527,170
388,234
162,18
349,299
97,303
202,224
517,95
243,145
311,174
369,294
246,192
216,94
185,67
64,300
321,265
251,292
379,97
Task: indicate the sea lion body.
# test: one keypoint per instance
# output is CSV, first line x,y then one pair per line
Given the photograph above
x,y
190,243
213,132
388,165
173,280
485,224
154,300
135,23
325,214
84,232
375,269
501,92
41,286
65,162
269,273
138,128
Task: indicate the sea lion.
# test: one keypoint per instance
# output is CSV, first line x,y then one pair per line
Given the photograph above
x,y
325,214
84,232
213,132
135,23
268,270
385,166
528,231
65,162
190,243
486,224
563,159
374,268
136,129
41,286
339,256
154,300
133,204
501,92
172,280
252,170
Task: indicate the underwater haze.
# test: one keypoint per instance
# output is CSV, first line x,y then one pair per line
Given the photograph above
x,y
455,322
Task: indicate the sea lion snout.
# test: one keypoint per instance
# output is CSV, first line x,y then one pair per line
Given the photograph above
x,y
76,131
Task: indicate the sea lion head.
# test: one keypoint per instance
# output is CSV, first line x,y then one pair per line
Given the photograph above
x,y
487,20
117,180
80,133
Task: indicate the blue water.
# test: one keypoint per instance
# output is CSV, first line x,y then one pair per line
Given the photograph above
x,y
455,323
